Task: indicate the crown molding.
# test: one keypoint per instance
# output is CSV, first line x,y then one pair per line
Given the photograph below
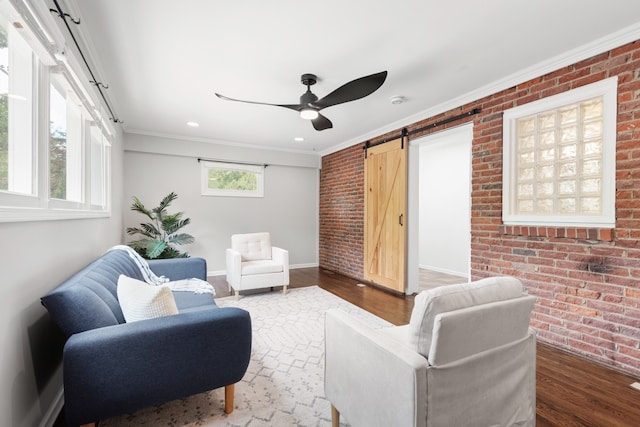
x,y
619,38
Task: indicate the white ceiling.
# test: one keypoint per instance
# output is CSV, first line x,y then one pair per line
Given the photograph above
x,y
164,60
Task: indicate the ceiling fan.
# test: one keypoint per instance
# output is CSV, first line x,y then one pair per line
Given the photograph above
x,y
310,106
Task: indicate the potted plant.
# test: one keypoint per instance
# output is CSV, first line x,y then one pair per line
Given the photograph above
x,y
160,236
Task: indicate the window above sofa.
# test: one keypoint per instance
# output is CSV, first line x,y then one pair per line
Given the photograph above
x,y
54,143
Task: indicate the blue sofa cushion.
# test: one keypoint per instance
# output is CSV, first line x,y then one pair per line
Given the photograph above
x,y
189,300
63,307
88,299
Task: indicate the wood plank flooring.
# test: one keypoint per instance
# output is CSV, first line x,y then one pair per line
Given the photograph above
x,y
393,308
429,279
571,390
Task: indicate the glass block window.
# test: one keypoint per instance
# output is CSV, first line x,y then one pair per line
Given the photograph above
x,y
559,157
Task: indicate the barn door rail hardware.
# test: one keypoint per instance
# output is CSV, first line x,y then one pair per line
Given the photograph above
x,y
404,131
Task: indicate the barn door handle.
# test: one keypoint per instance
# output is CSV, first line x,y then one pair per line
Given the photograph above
x,y
401,219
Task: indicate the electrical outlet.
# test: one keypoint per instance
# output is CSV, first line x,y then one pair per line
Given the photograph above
x,y
636,386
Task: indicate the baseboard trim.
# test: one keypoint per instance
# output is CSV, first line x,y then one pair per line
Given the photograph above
x,y
52,413
444,270
213,273
310,265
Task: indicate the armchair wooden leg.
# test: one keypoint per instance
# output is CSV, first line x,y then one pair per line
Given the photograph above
x,y
284,290
237,295
335,417
228,398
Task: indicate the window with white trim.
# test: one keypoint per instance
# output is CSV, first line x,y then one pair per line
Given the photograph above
x,y
17,150
231,179
559,159
99,158
65,142
54,143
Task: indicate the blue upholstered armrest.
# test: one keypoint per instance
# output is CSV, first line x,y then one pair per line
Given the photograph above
x,y
123,368
180,268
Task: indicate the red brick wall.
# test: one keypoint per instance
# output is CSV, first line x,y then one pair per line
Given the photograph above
x,y
587,281
342,212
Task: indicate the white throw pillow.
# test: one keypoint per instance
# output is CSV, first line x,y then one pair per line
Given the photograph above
x,y
140,300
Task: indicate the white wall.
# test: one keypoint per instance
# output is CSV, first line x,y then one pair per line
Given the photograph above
x,y
34,258
445,201
155,166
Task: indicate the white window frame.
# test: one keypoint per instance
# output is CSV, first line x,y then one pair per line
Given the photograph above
x,y
607,89
17,206
77,146
98,157
205,166
22,174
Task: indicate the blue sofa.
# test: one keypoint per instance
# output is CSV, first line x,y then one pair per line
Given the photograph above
x,y
111,367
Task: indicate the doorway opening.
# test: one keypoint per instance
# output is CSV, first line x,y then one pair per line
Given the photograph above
x,y
439,246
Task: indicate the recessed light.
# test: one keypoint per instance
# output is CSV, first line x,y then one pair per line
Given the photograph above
x,y
298,139
193,124
396,100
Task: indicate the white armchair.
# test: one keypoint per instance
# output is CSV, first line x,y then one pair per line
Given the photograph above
x,y
466,358
252,263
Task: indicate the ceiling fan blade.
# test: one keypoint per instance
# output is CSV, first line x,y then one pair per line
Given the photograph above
x,y
321,123
295,107
355,89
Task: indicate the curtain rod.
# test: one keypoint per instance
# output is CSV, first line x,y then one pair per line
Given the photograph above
x,y
58,11
200,159
404,131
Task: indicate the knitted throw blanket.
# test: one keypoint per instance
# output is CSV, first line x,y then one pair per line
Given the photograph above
x,y
194,285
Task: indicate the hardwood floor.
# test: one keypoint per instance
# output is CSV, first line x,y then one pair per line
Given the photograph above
x,y
392,308
571,390
429,279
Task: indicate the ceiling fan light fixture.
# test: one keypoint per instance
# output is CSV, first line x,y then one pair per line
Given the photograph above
x,y
309,114
310,106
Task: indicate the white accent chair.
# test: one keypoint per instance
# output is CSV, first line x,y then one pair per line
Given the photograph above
x,y
252,263
466,358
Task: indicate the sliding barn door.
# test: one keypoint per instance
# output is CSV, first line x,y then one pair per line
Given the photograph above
x,y
385,198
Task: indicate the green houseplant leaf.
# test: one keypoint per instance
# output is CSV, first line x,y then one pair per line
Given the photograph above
x,y
160,237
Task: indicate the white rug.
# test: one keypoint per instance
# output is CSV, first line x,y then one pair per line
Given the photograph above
x,y
284,384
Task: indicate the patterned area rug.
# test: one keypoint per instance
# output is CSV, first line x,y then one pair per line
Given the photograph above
x,y
284,383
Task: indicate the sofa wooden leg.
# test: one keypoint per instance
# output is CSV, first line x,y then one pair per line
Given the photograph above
x,y
284,290
335,417
237,295
228,398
